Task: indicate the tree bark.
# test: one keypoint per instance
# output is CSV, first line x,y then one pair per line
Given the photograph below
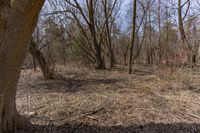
x,y
180,21
41,60
181,18
34,64
108,35
159,28
133,36
17,21
99,60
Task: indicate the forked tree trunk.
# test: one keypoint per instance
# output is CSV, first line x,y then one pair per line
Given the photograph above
x,y
41,60
98,55
17,21
47,74
184,39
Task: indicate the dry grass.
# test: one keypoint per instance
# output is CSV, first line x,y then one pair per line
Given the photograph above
x,y
148,101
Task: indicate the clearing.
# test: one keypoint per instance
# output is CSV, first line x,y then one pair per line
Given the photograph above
x,y
83,100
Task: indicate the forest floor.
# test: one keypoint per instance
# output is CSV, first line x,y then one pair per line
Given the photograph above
x,y
151,100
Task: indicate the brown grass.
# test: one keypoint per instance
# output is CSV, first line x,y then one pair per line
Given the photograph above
x,y
153,99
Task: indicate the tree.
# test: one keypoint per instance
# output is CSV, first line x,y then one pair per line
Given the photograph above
x,y
133,36
97,23
37,54
181,18
51,34
89,18
159,28
17,21
108,11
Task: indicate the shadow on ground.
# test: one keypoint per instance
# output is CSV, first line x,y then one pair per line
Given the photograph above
x,y
148,128
72,85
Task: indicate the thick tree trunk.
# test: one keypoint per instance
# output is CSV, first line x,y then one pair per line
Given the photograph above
x,y
41,60
100,63
17,21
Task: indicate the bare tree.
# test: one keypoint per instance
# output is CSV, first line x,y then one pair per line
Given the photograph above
x,y
37,54
133,35
181,18
109,7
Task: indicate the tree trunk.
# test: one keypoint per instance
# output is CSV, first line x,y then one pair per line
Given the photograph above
x,y
180,22
184,39
98,55
125,63
34,64
17,21
159,28
41,60
108,36
133,36
100,63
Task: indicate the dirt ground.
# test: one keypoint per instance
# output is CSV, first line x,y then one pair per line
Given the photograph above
x,y
152,100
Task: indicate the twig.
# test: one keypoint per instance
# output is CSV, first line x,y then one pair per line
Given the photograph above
x,y
193,115
190,114
88,113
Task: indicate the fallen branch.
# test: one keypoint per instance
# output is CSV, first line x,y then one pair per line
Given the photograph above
x,y
190,114
193,115
93,112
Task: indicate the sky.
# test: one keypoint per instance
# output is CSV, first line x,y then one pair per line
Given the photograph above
x,y
126,5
